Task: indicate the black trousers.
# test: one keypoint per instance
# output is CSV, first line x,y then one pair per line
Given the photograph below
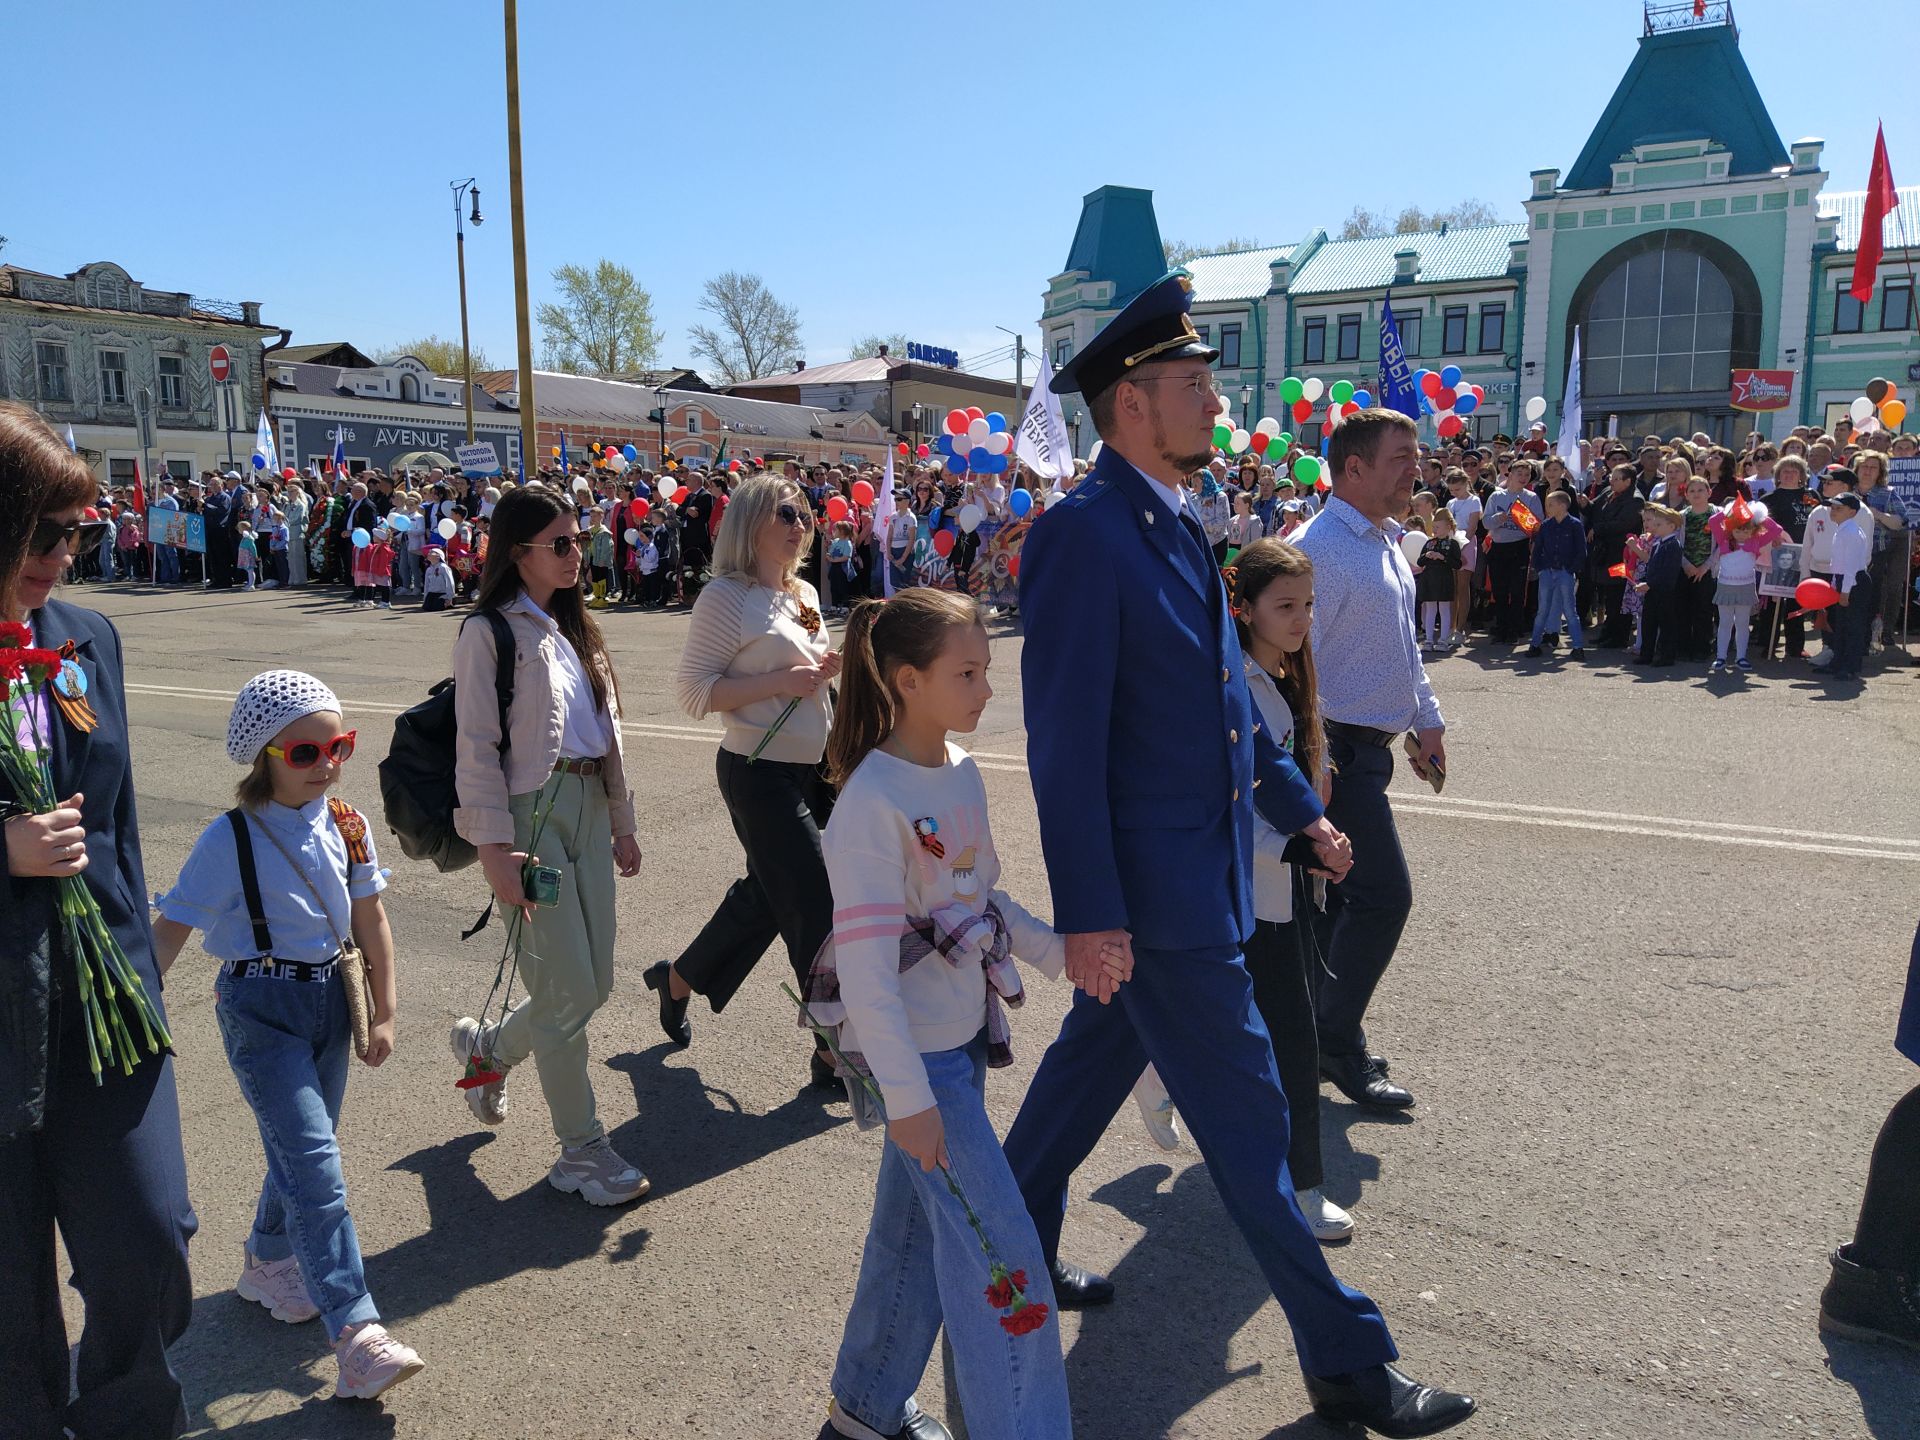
x,y
778,810
107,1171
1276,958
1888,1235
1694,617
1367,911
1507,574
1659,626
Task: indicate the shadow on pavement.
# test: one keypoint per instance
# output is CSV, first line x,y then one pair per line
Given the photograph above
x,y
1887,1381
686,1131
1347,1169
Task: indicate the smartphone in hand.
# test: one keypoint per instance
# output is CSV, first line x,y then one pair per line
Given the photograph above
x,y
1427,767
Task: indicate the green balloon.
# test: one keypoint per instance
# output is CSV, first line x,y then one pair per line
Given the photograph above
x,y
1222,437
1342,391
1291,389
1306,469
1285,440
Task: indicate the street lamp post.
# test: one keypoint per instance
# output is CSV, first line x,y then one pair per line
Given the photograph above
x,y
916,430
1246,408
461,188
660,403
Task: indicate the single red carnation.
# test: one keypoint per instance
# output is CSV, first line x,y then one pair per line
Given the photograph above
x,y
14,635
1025,1320
1000,1294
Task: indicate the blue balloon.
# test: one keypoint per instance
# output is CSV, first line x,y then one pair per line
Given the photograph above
x,y
259,462
1426,406
1465,404
956,465
1000,464
979,458
1363,398
1020,502
361,540
399,524
996,422
1450,376
944,444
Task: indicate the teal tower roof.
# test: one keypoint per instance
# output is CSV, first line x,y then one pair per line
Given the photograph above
x,y
1119,240
1684,84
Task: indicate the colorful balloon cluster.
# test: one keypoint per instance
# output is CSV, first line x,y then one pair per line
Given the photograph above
x,y
1882,401
973,439
1443,396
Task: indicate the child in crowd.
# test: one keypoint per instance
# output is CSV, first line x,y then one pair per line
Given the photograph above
x,y
1634,556
645,558
599,556
1736,589
437,584
1440,561
1244,528
380,569
840,567
276,887
460,548
916,980
1816,561
1853,620
666,539
246,554
1695,617
1559,555
1659,586
277,540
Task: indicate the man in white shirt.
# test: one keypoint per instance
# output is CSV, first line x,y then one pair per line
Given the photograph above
x,y
1853,578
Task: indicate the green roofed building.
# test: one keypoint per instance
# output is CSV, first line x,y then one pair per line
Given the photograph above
x,y
1685,241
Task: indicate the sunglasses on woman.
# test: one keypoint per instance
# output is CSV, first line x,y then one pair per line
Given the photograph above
x,y
306,754
787,514
562,545
79,536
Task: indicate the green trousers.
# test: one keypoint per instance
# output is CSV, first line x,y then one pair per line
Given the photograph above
x,y
566,955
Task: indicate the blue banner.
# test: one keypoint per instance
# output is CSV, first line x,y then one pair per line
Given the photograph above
x,y
1396,377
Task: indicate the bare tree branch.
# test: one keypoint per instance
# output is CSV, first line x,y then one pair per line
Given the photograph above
x,y
754,334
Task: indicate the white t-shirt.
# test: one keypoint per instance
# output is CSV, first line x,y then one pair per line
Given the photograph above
x,y
902,529
1465,509
912,840
586,733
991,496
1817,558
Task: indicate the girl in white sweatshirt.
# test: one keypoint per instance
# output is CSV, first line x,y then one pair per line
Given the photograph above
x,y
916,981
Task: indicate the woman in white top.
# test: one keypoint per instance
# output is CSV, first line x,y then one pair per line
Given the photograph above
x,y
758,654
552,792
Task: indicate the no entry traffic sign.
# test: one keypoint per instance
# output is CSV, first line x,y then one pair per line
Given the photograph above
x,y
219,364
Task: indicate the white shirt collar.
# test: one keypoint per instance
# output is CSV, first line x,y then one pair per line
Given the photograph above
x,y
1175,497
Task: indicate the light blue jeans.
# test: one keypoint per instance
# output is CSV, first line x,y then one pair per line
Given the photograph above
x,y
289,1043
923,1267
1557,603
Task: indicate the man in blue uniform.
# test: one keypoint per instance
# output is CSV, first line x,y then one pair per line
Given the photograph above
x,y
1148,760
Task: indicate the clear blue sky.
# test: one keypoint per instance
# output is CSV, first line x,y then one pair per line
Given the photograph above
x,y
884,166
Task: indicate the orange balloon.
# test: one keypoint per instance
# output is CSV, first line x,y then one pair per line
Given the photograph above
x,y
1893,412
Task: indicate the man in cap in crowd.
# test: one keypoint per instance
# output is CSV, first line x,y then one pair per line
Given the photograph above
x,y
1148,761
216,509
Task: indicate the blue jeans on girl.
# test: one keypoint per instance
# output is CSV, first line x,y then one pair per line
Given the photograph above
x,y
1557,603
923,1267
289,1043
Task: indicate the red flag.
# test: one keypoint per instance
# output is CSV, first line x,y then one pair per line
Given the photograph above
x,y
1881,198
1699,9
139,491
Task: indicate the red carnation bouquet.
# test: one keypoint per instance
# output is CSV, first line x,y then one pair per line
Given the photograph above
x,y
120,1017
1009,1287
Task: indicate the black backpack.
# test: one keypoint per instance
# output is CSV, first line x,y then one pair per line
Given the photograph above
x,y
417,791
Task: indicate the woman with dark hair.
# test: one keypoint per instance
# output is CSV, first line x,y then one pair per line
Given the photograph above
x,y
550,795
760,656
98,1159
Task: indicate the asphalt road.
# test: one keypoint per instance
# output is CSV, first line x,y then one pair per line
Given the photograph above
x,y
1646,1000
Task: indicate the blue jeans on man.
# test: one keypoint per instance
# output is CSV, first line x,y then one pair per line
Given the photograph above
x,y
1557,590
289,1043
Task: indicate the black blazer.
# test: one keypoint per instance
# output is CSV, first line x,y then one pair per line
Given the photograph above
x,y
100,766
1662,572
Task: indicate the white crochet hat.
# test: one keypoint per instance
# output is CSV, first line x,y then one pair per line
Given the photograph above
x,y
267,704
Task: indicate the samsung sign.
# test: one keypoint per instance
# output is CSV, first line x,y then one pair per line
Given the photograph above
x,y
933,355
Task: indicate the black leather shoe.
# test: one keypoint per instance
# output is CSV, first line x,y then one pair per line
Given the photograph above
x,y
1386,1402
1864,1304
822,1073
1364,1082
921,1427
1077,1289
673,1013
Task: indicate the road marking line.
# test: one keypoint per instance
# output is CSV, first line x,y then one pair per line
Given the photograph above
x,y
1452,807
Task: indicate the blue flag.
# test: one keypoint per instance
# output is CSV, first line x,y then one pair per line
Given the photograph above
x,y
1396,379
564,467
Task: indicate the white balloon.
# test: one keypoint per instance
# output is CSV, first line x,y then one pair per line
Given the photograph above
x,y
665,490
1268,426
978,434
970,517
1411,544
1536,407
1239,442
633,537
1094,454
1312,388
1861,410
999,443
448,528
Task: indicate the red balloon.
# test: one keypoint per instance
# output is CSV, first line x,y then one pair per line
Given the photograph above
x,y
924,451
1013,566
680,496
638,510
943,542
1479,392
1258,440
1430,384
1302,408
1815,595
1352,407
974,412
957,422
837,508
1447,398
89,513
1451,425
862,493
903,447
289,473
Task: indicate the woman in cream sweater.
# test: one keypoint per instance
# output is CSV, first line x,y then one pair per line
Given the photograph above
x,y
758,654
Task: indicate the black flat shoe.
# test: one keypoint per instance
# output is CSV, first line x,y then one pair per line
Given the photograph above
x,y
673,1013
1077,1289
1364,1082
823,1076
1386,1402
1873,1305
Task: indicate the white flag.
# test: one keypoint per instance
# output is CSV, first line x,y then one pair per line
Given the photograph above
x,y
71,443
263,447
1042,443
1571,420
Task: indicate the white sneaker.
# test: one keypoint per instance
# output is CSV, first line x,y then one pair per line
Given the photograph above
x,y
487,1102
278,1285
1156,1109
597,1174
372,1362
1329,1223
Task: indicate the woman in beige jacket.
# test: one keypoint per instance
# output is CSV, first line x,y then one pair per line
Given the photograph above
x,y
558,774
759,654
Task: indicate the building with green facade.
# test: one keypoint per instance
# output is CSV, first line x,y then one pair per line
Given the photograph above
x,y
1685,241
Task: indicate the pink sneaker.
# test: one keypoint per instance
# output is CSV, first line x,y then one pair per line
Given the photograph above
x,y
277,1284
372,1362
